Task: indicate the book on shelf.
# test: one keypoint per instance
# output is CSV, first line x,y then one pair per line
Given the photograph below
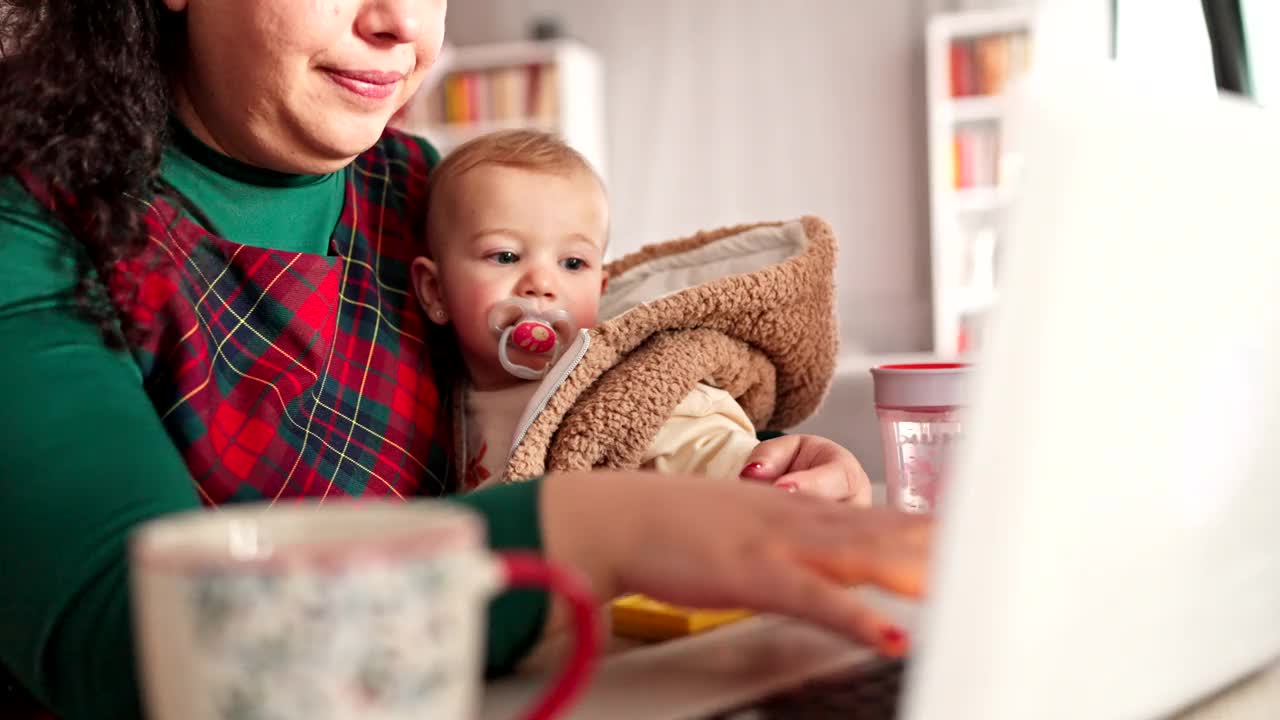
x,y
508,85
983,65
960,65
975,156
547,99
506,95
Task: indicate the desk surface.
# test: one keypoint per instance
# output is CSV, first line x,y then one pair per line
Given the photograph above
x,y
1254,698
762,654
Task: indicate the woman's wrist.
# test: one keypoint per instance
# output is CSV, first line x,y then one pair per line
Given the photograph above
x,y
574,506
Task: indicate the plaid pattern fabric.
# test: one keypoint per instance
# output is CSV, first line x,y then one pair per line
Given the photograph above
x,y
283,375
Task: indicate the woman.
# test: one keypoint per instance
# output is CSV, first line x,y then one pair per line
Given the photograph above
x,y
204,236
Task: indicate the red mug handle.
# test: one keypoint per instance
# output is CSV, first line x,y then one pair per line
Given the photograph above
x,y
526,570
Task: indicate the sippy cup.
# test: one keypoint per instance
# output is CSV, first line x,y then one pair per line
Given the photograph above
x,y
919,407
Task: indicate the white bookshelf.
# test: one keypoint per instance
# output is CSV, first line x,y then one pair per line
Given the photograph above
x,y
965,221
576,111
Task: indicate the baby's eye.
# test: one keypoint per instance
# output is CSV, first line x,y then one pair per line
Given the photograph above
x,y
574,263
505,257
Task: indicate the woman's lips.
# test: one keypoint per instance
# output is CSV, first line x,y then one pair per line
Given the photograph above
x,y
373,84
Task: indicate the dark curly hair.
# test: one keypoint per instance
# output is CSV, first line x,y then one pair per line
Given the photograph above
x,y
84,107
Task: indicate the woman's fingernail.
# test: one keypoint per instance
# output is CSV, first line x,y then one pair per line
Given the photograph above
x,y
752,469
894,637
788,486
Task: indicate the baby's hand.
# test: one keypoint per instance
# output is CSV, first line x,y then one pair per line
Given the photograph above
x,y
811,465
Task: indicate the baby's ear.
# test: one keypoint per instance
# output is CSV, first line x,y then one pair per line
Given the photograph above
x,y
426,285
604,281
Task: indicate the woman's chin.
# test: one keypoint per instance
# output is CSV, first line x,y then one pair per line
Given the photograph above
x,y
340,139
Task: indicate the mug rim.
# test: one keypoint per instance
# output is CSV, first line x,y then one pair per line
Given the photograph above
x,y
202,540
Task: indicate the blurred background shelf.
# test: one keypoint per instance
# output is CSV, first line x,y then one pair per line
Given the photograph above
x,y
971,57
552,85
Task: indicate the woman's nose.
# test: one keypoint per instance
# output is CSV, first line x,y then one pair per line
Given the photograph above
x,y
394,21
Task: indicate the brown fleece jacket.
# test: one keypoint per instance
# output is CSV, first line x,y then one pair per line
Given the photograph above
x,y
749,309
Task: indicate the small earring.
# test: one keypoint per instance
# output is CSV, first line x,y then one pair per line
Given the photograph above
x,y
440,316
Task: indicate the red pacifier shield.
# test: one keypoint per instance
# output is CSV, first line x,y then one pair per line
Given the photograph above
x,y
534,336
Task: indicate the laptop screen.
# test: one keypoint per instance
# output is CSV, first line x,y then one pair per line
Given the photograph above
x,y
1261,20
1227,44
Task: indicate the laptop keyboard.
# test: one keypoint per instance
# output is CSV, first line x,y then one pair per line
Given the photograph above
x,y
864,693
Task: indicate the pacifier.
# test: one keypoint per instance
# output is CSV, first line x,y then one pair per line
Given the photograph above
x,y
520,323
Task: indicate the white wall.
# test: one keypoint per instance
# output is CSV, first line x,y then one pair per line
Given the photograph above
x,y
726,111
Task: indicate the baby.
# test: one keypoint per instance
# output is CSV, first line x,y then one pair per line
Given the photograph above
x,y
517,227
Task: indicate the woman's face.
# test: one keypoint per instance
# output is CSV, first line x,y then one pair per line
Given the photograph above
x,y
301,86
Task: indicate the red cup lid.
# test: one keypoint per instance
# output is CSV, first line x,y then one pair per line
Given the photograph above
x,y
920,385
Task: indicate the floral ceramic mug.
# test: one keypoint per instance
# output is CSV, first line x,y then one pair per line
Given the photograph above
x,y
370,610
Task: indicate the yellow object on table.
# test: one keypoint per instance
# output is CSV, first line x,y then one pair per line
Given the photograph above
x,y
642,618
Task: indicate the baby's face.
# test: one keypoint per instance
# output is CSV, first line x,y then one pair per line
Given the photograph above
x,y
507,232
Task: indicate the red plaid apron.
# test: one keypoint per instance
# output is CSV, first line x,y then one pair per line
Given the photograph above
x,y
285,375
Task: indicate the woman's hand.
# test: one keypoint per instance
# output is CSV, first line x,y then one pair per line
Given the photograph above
x,y
702,544
810,465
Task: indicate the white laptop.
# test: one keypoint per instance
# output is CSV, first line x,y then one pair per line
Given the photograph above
x,y
1110,544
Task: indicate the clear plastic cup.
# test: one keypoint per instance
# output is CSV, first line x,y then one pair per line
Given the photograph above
x,y
920,407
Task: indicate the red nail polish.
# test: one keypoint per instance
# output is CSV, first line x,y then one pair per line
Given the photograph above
x,y
893,637
752,469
